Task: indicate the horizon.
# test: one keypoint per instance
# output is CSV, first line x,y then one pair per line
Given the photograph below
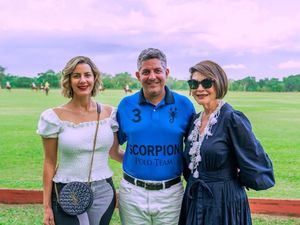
x,y
178,79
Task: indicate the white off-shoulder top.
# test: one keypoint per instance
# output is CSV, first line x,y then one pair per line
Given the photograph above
x,y
75,146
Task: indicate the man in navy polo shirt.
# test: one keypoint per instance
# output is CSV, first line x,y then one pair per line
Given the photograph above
x,y
153,122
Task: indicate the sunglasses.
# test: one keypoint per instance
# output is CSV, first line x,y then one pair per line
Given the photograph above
x,y
206,83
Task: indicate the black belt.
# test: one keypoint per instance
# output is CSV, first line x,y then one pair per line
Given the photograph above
x,y
152,185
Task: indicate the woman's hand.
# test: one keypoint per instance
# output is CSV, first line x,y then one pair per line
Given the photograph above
x,y
48,217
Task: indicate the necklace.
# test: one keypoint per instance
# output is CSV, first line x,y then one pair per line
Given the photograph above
x,y
196,139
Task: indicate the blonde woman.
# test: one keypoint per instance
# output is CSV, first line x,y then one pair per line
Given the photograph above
x,y
67,132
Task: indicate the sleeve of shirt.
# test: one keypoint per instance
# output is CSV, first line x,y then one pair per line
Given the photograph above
x,y
256,170
114,122
122,137
49,124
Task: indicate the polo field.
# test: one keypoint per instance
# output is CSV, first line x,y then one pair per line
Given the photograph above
x,y
275,119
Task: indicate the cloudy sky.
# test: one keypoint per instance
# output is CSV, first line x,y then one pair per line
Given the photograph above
x,y
259,38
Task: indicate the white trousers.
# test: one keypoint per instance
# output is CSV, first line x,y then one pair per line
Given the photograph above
x,y
139,206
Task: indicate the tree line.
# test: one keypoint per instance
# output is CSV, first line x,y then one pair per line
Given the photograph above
x,y
288,84
120,80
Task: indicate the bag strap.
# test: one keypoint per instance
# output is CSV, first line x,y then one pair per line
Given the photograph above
x,y
95,140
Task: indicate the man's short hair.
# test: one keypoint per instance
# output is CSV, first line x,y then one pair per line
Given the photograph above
x,y
152,53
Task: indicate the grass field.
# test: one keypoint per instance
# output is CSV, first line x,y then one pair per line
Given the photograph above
x,y
275,119
33,215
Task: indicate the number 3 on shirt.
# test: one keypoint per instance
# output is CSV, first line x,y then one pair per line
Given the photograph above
x,y
137,115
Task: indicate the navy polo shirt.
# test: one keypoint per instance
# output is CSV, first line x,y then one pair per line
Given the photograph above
x,y
154,135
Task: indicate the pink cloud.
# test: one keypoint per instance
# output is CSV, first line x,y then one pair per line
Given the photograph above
x,y
247,31
234,66
290,64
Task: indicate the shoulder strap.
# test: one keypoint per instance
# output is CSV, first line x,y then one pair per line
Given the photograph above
x,y
95,140
98,108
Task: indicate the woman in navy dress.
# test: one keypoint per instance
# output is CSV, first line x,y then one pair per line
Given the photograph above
x,y
222,156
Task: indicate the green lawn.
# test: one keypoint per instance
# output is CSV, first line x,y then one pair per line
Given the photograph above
x,y
33,215
275,119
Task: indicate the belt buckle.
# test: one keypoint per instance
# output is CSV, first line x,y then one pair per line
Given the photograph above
x,y
140,183
154,186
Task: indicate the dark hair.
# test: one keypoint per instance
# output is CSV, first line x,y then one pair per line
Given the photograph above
x,y
152,53
212,70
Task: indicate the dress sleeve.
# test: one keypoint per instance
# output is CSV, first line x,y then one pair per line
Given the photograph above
x,y
256,170
187,146
114,122
49,124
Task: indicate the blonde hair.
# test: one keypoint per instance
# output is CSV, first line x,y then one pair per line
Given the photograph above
x,y
68,70
212,70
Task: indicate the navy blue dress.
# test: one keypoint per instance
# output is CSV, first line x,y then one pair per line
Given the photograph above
x,y
232,159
